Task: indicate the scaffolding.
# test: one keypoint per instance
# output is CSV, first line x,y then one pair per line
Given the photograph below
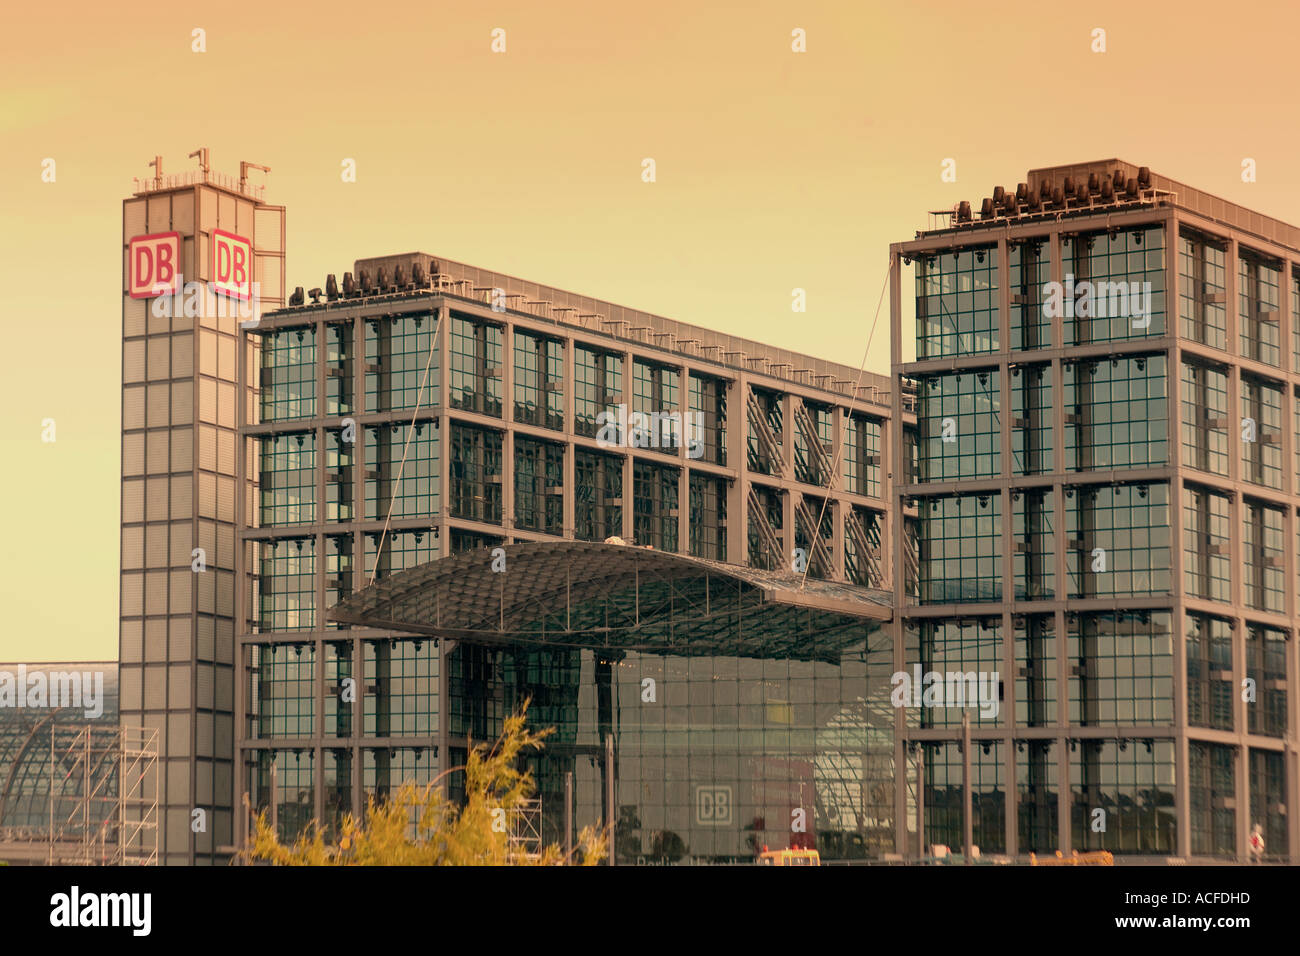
x,y
524,834
102,800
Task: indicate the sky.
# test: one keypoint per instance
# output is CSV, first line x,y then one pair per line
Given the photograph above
x,y
774,170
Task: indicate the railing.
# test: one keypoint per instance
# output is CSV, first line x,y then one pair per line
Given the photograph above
x,y
143,186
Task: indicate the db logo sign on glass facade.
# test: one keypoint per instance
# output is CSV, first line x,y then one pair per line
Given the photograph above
x,y
154,266
713,806
232,265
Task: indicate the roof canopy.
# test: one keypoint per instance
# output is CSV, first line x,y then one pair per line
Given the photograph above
x,y
584,594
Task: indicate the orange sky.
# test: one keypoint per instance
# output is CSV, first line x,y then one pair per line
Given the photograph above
x,y
775,170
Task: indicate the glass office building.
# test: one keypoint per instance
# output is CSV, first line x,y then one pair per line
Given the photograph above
x,y
1079,488
422,413
1104,509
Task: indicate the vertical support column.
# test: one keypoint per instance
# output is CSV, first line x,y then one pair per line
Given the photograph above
x,y
444,431
896,481
1286,319
683,477
789,502
1174,408
354,726
239,819
1062,756
508,429
1236,556
1290,763
358,386
629,490
569,518
1241,773
1007,474
318,578
445,646
1241,724
837,505
1237,560
1234,374
738,458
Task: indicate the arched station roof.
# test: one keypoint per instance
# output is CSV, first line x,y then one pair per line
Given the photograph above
x,y
587,594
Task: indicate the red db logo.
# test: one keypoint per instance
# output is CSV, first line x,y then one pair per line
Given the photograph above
x,y
232,265
153,265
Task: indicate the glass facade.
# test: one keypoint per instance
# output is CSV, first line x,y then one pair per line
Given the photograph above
x,y
1125,297
1037,790
716,756
965,647
1205,418
282,691
475,366
720,753
708,518
1132,783
539,381
1211,791
401,356
957,422
959,541
475,490
1036,680
957,303
1031,422
598,496
944,795
597,388
862,456
654,505
709,419
1150,654
1208,650
1261,432
1034,544
1257,308
1118,540
288,377
1207,524
1202,295
402,470
1122,671
1266,672
1029,270
1116,413
287,482
539,486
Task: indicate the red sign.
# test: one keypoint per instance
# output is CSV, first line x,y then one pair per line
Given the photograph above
x,y
232,265
154,265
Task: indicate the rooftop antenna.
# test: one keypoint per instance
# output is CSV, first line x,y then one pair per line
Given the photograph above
x,y
244,167
202,154
157,172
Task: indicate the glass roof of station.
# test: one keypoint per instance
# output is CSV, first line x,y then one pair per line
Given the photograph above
x,y
586,594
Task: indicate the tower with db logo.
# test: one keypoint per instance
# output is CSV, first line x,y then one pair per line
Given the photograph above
x,y
202,256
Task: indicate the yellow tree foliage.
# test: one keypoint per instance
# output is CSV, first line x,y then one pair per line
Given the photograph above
x,y
444,834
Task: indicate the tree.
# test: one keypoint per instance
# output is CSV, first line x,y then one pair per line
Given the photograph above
x,y
445,834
